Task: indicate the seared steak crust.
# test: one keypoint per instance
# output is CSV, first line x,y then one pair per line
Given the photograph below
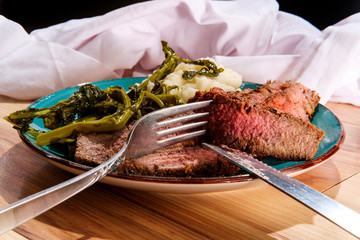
x,y
273,120
181,161
186,159
265,122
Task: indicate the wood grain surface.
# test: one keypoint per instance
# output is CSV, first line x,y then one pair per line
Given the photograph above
x,y
108,212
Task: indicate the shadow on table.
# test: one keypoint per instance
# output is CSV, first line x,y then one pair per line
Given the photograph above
x,y
104,211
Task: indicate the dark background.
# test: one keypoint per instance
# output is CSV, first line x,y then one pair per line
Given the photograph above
x,y
38,14
34,14
321,13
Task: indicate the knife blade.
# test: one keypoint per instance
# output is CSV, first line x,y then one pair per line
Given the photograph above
x,y
337,213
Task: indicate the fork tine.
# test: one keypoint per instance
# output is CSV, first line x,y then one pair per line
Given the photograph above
x,y
140,141
143,138
179,109
179,138
181,119
180,128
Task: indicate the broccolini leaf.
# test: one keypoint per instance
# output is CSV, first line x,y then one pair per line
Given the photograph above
x,y
61,113
93,109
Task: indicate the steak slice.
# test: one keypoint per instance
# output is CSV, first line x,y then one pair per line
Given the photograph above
x,y
186,159
295,99
249,121
181,160
272,120
94,148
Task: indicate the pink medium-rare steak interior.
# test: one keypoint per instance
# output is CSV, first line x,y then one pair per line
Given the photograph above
x,y
263,132
273,120
186,159
290,98
260,123
295,99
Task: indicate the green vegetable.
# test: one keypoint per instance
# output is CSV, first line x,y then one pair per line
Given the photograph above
x,y
209,69
117,120
92,109
171,61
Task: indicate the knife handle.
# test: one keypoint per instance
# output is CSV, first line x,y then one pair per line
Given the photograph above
x,y
337,213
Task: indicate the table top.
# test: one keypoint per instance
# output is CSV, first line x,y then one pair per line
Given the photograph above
x,y
107,212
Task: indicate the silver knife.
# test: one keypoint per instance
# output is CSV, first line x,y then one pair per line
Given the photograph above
x,y
337,213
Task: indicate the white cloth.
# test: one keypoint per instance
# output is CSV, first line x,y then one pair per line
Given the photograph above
x,y
250,36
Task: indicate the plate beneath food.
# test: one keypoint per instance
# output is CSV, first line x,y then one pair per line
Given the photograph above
x,y
58,155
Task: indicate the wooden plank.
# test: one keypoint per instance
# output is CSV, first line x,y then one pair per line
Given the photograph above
x,y
347,192
346,112
345,163
250,212
11,235
107,212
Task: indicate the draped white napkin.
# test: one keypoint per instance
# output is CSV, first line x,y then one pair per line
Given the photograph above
x,y
252,37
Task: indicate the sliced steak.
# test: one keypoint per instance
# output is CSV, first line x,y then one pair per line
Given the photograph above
x,y
273,120
181,160
96,147
185,159
295,99
256,121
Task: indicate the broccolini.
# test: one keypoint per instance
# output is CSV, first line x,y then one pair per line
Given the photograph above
x,y
92,109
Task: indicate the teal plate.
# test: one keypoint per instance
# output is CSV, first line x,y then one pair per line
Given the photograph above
x,y
58,154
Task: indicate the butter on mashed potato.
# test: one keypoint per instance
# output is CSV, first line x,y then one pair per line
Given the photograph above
x,y
228,80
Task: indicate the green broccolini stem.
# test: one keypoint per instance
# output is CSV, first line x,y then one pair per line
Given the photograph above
x,y
108,123
92,109
112,122
156,99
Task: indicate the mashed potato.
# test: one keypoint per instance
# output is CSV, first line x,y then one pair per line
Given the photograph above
x,y
228,80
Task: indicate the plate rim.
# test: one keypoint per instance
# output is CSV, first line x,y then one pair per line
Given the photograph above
x,y
307,165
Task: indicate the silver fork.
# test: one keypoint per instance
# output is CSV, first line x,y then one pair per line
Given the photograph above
x,y
143,138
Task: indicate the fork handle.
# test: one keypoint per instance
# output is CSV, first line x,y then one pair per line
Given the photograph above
x,y
27,208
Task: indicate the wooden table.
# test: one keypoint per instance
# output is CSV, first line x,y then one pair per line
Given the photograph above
x,y
107,212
